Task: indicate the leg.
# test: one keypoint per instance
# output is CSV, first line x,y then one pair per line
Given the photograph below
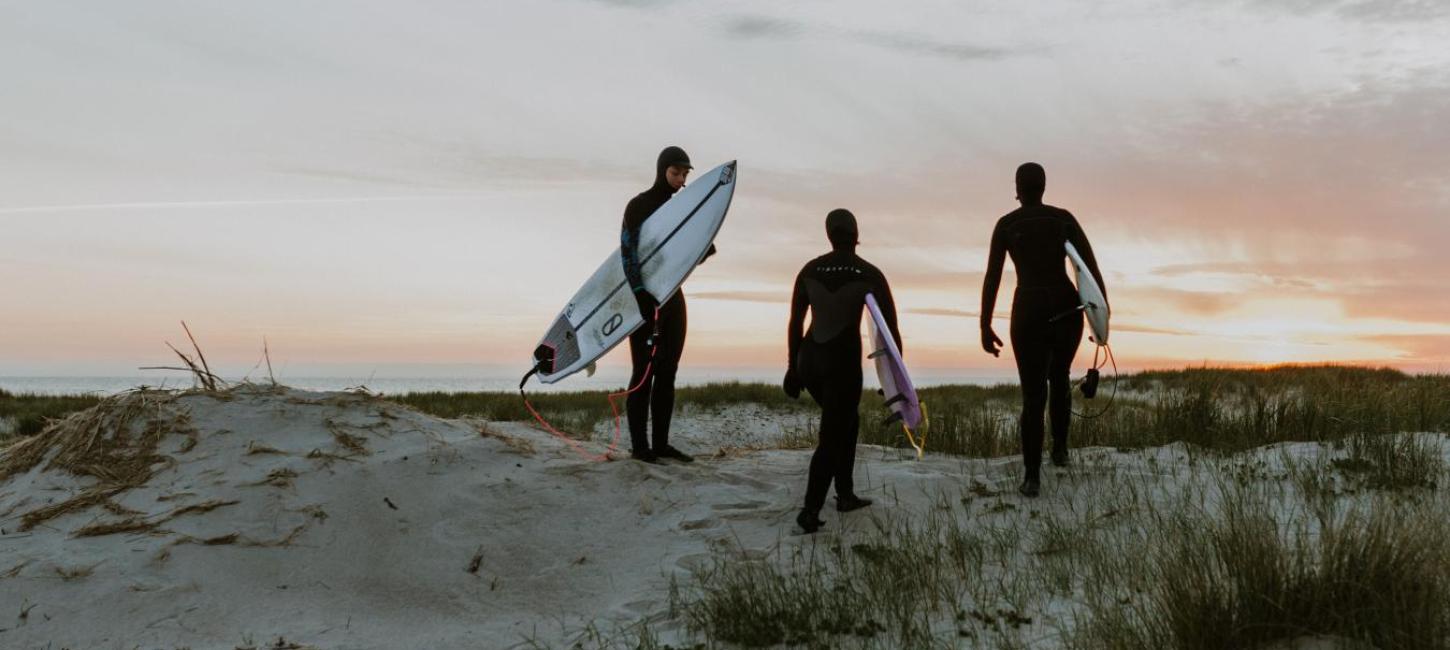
x,y
667,362
1031,353
1066,336
848,404
637,404
818,480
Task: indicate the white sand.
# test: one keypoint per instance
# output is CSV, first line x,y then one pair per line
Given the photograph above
x,y
374,551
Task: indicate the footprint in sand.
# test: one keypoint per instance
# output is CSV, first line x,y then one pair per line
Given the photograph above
x,y
732,478
695,561
699,524
740,505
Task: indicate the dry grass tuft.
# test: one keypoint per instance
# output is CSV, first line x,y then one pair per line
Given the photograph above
x,y
254,449
15,570
198,508
128,525
120,510
76,573
219,540
113,442
516,444
280,478
353,443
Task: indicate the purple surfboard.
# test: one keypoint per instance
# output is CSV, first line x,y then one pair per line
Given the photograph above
x,y
891,370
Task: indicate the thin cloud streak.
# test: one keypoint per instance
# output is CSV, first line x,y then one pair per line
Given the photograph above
x,y
181,205
759,27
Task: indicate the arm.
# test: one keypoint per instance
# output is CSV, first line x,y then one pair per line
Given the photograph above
x,y
794,334
629,249
996,257
795,330
887,303
1080,242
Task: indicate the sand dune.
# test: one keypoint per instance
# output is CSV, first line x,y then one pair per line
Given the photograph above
x,y
272,517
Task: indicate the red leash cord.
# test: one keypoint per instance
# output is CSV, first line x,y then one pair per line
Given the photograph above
x,y
613,406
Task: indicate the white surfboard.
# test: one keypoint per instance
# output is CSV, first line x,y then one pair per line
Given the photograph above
x,y
1094,305
672,242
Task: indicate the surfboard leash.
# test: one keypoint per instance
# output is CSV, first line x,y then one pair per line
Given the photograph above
x,y
1107,352
920,431
618,430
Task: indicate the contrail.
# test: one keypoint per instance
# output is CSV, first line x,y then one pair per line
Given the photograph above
x,y
214,204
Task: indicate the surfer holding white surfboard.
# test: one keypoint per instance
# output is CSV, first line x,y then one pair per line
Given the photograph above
x,y
825,360
1044,342
654,348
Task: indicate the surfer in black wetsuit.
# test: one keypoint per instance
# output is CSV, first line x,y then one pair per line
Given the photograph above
x,y
826,359
1046,326
664,325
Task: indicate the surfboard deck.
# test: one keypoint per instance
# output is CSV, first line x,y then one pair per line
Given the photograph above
x,y
673,241
896,384
1095,306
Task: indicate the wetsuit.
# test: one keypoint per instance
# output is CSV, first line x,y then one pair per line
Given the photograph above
x,y
657,395
1045,329
827,358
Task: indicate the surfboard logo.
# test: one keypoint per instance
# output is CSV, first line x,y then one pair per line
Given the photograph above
x,y
612,324
727,175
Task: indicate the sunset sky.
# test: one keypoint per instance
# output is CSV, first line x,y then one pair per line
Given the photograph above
x,y
421,186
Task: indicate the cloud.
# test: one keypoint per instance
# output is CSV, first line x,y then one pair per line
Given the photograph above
x,y
943,311
1116,326
754,26
635,4
913,44
772,297
1394,11
748,27
1145,329
1421,302
1421,347
1201,303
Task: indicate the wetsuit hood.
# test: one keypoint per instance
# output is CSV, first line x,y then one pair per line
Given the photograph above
x,y
841,229
669,157
1031,183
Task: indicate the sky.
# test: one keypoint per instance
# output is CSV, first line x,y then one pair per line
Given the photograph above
x,y
419,187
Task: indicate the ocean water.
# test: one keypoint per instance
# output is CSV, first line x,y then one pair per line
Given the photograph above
x,y
611,378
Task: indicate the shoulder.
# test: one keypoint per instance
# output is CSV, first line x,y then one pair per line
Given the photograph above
x,y
1059,212
814,263
635,211
1066,216
870,269
1006,220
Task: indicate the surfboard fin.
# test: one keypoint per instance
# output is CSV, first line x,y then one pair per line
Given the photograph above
x,y
876,353
590,369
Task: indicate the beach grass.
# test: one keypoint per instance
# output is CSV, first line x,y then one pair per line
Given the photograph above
x,y
26,414
1216,409
1223,410
1199,556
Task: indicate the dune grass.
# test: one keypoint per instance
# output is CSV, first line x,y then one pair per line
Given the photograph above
x,y
1225,410
26,414
1195,556
1218,409
579,412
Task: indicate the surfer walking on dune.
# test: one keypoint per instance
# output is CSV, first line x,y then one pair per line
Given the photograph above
x,y
826,359
654,348
1046,323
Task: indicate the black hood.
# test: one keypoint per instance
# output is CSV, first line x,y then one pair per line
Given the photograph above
x,y
669,157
